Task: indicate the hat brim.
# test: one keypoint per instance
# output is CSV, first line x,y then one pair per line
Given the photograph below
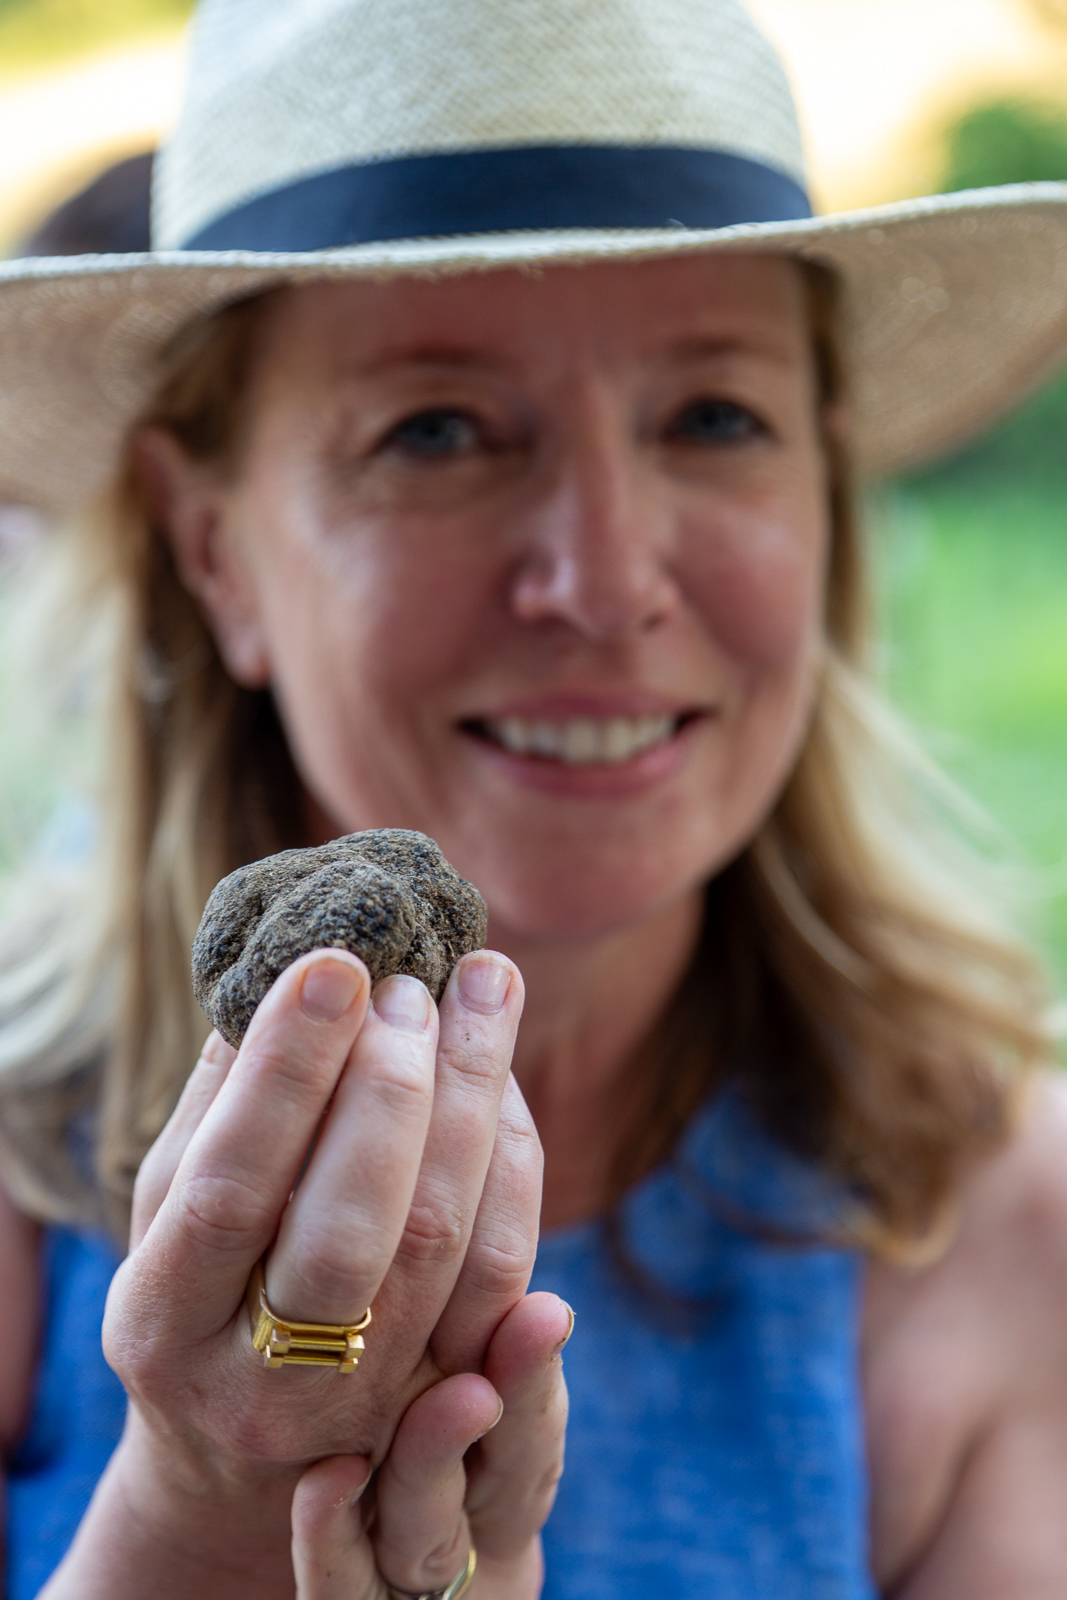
x,y
954,307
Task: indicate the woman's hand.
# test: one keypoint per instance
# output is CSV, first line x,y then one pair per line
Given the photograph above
x,y
420,1194
439,1489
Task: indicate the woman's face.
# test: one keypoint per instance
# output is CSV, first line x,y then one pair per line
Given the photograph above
x,y
534,563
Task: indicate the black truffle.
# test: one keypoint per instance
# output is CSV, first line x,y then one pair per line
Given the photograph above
x,y
387,895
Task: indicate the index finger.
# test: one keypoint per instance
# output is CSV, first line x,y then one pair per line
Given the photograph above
x,y
240,1167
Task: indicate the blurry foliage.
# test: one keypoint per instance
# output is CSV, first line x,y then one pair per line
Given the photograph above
x,y
38,31
972,590
1029,447
972,570
1011,141
1005,141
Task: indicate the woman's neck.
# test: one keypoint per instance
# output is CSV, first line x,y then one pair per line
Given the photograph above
x,y
589,1004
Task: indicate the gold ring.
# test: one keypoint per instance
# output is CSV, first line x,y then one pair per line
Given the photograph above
x,y
452,1591
301,1344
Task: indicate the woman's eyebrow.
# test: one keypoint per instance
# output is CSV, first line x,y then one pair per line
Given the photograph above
x,y
446,357
717,347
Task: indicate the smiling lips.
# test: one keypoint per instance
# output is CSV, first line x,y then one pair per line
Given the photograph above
x,y
581,741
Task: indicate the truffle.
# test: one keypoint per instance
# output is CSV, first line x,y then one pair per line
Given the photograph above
x,y
387,895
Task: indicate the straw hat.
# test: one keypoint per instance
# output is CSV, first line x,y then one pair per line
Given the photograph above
x,y
378,138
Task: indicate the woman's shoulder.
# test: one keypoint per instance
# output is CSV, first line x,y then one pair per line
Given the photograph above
x,y
1015,1207
20,1295
1011,1231
965,1358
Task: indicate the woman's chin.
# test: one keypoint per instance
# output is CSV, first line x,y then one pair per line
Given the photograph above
x,y
575,908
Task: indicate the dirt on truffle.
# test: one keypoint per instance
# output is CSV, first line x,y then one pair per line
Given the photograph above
x,y
387,895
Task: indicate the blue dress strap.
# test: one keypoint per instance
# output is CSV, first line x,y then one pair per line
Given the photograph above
x,y
78,1412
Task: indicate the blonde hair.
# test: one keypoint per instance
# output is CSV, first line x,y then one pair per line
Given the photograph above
x,y
878,1014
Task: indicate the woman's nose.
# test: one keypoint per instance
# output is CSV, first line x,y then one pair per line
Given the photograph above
x,y
599,546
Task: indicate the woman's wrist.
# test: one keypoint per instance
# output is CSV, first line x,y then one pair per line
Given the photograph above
x,y
166,1522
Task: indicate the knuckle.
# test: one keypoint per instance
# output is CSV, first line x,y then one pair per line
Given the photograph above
x,y
138,1337
548,1481
324,1277
140,1363
479,1060
223,1212
300,1075
434,1570
520,1145
435,1231
130,1349
500,1267
404,1085
250,1433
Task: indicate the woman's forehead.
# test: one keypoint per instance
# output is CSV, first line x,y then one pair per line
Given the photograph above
x,y
682,307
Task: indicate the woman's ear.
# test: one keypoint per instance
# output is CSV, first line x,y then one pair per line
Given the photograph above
x,y
194,513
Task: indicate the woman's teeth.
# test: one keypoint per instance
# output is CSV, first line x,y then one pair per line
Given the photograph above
x,y
582,741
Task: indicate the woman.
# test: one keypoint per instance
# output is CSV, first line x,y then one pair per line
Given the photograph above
x,y
558,567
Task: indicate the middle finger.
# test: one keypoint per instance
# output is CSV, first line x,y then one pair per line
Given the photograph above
x,y
479,1014
341,1229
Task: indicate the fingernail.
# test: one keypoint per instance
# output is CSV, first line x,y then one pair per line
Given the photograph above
x,y
403,1002
329,988
483,984
570,1328
494,1422
353,1498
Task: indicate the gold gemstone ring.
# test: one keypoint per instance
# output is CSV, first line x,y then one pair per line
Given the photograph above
x,y
301,1344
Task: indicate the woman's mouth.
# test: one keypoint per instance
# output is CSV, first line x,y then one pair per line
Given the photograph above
x,y
581,741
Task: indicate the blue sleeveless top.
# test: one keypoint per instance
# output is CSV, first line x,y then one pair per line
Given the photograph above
x,y
78,1413
715,1448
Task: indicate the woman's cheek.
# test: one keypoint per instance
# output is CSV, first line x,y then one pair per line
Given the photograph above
x,y
426,610
359,600
759,591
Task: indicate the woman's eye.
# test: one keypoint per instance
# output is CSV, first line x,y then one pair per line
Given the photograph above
x,y
437,432
717,422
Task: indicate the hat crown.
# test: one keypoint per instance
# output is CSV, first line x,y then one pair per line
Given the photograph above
x,y
282,90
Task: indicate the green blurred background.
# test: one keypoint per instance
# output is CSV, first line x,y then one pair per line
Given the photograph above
x,y
970,555
971,563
